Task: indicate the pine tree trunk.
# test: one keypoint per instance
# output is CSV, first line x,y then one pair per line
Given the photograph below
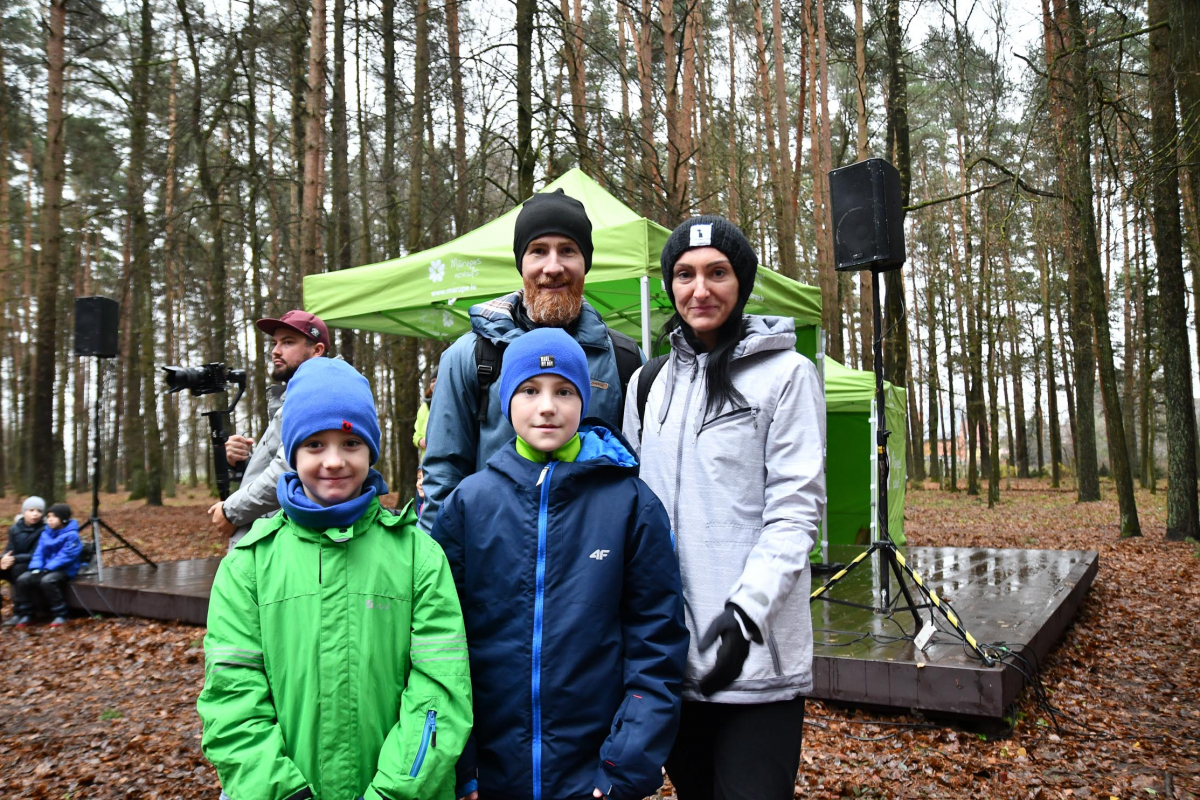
x,y
1183,519
652,181
1095,284
787,219
53,174
1016,362
935,469
143,295
773,158
677,152
171,283
340,155
462,222
5,266
407,396
573,51
526,157
314,156
895,347
1051,389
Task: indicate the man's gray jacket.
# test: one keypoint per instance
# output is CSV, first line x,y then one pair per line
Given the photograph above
x,y
256,494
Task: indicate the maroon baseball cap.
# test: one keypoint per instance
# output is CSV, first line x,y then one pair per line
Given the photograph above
x,y
301,322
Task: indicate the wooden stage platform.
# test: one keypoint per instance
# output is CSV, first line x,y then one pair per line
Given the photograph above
x,y
1024,598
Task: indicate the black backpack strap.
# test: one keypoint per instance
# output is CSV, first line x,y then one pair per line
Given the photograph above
x,y
649,373
488,356
629,360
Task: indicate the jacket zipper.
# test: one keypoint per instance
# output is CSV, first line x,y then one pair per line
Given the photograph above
x,y
538,603
428,738
725,417
687,406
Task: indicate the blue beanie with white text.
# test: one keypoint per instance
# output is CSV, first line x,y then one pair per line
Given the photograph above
x,y
544,351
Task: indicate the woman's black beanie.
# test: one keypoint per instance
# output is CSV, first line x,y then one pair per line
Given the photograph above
x,y
553,212
712,231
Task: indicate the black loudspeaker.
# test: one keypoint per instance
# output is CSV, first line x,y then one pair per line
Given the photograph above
x,y
96,326
868,219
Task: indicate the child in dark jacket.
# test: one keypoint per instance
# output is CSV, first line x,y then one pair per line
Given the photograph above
x,y
54,562
571,594
22,541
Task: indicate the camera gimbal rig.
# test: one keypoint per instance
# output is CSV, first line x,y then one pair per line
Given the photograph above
x,y
212,379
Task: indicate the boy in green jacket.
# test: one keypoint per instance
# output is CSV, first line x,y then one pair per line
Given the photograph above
x,y
335,653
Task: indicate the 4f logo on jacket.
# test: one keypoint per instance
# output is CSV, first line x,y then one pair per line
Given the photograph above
x,y
599,555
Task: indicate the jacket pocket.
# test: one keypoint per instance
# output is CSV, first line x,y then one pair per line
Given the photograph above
x,y
735,415
776,661
428,739
623,730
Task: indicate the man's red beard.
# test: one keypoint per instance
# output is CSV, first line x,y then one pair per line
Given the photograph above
x,y
555,309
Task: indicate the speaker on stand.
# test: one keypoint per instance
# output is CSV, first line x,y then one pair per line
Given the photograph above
x,y
868,233
97,325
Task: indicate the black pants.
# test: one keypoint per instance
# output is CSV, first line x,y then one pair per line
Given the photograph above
x,y
48,584
11,575
732,752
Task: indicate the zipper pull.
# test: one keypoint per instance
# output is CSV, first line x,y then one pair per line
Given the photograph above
x,y
433,739
542,477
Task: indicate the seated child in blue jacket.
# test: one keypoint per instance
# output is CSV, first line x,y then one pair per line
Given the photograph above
x,y
571,594
54,562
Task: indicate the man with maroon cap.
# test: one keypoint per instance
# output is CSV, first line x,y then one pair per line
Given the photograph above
x,y
298,336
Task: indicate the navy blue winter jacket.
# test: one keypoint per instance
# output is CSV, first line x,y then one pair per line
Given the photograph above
x,y
574,612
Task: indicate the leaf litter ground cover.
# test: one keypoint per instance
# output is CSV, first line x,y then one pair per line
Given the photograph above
x,y
105,708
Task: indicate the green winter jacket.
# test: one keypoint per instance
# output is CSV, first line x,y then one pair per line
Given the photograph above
x,y
336,664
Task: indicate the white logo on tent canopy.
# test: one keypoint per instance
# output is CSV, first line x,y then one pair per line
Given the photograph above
x,y
701,235
437,270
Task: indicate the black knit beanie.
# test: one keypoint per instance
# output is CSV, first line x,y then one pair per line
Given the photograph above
x,y
718,232
553,212
60,510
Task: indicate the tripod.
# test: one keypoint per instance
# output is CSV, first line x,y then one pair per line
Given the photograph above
x,y
892,560
94,521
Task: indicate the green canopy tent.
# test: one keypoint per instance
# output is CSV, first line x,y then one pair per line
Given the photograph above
x,y
850,464
427,294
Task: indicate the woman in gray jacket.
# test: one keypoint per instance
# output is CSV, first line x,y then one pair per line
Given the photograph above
x,y
733,442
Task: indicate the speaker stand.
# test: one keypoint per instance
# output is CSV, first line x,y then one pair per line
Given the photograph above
x,y
891,559
94,521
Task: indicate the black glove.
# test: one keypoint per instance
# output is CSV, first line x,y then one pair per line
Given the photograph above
x,y
733,651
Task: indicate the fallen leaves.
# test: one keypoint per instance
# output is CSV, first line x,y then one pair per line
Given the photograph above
x,y
106,708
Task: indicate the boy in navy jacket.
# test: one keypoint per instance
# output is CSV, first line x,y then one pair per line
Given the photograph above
x,y
54,562
571,594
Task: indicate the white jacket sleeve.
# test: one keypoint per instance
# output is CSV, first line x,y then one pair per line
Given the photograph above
x,y
794,496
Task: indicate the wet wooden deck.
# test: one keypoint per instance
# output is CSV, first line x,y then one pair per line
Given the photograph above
x,y
1025,598
177,590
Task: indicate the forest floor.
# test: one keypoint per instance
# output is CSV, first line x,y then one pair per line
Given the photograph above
x,y
105,708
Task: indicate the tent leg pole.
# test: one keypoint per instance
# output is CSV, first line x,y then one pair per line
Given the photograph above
x,y
825,513
645,287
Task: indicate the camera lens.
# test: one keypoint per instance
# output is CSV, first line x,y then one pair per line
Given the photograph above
x,y
180,378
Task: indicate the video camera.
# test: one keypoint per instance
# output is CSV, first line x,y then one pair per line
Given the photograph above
x,y
211,379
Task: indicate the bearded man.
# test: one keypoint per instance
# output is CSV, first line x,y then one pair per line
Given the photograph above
x,y
296,337
552,242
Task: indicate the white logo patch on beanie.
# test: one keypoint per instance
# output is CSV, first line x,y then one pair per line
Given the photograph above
x,y
701,235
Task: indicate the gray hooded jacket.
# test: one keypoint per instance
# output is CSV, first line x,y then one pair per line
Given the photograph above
x,y
256,493
745,489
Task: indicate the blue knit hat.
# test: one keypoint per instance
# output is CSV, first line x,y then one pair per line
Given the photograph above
x,y
544,351
328,394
